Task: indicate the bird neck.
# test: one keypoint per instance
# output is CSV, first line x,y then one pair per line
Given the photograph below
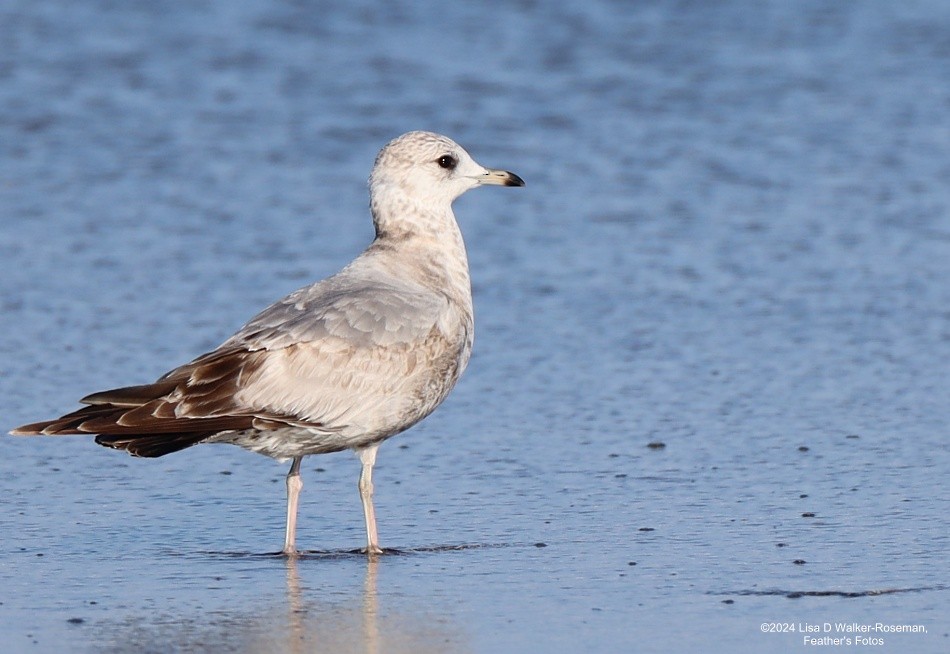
x,y
428,237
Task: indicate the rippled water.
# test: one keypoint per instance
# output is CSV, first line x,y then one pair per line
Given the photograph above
x,y
709,387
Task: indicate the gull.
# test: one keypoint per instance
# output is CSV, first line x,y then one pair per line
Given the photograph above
x,y
342,364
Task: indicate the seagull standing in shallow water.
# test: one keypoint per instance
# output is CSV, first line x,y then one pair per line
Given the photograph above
x,y
344,363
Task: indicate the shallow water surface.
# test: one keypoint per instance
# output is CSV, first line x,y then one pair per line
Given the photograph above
x,y
708,398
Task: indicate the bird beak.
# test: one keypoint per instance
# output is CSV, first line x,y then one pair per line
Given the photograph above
x,y
499,178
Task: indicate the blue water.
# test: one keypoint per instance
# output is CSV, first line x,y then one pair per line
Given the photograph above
x,y
734,242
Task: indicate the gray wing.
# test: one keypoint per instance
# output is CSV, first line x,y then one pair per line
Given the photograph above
x,y
361,313
327,356
357,351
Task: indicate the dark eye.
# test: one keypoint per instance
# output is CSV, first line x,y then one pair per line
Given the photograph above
x,y
448,162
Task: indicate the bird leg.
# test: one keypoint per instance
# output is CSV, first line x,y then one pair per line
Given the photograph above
x,y
367,456
294,484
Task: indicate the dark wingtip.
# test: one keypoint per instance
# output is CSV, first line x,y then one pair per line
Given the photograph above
x,y
33,429
150,446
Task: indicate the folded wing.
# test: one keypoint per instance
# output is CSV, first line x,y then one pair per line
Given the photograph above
x,y
322,357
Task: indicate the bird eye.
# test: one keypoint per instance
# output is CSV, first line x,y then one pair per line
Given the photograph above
x,y
448,162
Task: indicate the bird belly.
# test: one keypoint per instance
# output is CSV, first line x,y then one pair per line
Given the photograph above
x,y
289,442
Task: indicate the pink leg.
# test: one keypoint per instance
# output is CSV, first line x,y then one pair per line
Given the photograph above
x,y
367,456
294,484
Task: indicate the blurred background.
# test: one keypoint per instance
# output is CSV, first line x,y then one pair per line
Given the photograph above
x,y
713,335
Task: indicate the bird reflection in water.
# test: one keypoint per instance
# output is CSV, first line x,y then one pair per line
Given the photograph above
x,y
356,625
316,612
302,640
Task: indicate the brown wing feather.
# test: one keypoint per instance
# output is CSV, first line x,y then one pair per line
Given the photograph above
x,y
150,445
184,407
67,424
131,395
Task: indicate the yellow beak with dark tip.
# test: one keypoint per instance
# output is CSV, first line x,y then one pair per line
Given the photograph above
x,y
499,178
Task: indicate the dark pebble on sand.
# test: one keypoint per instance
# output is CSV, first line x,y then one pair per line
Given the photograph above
x,y
540,544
